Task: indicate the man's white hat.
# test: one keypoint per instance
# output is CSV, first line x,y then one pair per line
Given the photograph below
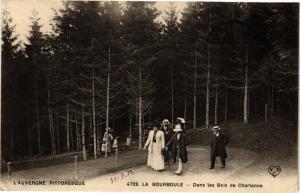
x,y
177,128
181,120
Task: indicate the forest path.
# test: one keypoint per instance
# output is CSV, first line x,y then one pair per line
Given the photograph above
x,y
242,166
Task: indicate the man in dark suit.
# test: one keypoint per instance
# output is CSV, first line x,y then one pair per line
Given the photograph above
x,y
217,145
177,144
166,128
168,131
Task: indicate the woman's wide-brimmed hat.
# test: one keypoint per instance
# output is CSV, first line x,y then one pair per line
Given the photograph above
x,y
216,127
177,128
180,120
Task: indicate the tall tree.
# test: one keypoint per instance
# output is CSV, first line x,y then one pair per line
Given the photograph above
x,y
168,72
93,57
140,35
190,27
80,50
10,52
34,51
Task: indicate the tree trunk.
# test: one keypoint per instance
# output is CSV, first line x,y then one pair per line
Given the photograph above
x,y
266,113
37,113
248,102
216,106
269,103
83,133
29,142
140,108
57,128
225,114
185,105
51,129
272,103
208,78
246,89
68,130
207,97
130,126
277,106
90,128
77,132
290,108
108,74
11,144
52,134
98,138
137,114
100,134
195,87
71,136
143,128
172,92
107,91
94,116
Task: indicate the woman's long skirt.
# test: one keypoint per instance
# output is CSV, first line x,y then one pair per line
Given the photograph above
x,y
155,158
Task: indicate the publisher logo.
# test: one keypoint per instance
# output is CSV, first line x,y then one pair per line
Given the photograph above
x,y
274,170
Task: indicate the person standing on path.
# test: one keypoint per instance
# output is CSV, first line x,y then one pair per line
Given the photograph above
x,y
168,131
155,144
178,144
107,140
217,145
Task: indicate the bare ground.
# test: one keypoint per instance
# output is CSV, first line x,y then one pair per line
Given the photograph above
x,y
243,167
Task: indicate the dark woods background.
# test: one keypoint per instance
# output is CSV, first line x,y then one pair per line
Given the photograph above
x,y
124,65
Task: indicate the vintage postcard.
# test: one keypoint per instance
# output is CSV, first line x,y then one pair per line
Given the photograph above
x,y
146,96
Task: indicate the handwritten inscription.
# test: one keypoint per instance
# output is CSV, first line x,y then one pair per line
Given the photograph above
x,y
121,176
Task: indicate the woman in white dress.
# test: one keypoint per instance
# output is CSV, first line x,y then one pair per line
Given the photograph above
x,y
155,143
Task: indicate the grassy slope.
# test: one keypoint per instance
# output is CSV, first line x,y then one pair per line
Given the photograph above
x,y
258,136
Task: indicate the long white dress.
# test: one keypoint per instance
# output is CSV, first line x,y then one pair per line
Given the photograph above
x,y
155,157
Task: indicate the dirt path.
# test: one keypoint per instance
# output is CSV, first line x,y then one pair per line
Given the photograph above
x,y
86,169
243,167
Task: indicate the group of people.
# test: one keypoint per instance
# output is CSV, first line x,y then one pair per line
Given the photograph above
x,y
166,144
109,141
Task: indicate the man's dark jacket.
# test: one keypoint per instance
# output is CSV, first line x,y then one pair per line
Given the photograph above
x,y
218,144
183,141
168,133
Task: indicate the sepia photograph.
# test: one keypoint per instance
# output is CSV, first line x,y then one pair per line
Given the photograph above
x,y
149,96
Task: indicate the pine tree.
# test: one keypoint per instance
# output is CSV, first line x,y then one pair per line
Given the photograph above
x,y
93,57
36,60
140,34
76,55
10,52
168,73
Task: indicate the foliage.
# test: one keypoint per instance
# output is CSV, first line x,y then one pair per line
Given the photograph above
x,y
125,56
